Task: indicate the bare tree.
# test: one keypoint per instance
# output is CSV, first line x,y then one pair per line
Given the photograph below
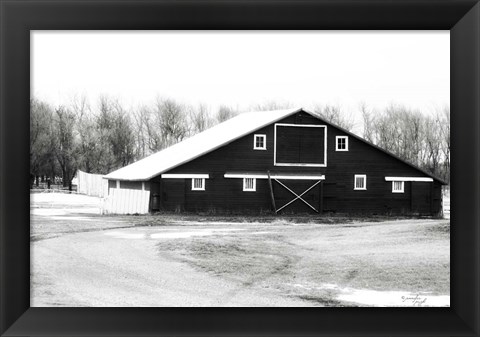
x,y
420,139
162,125
433,145
88,138
173,121
224,113
415,129
272,105
334,115
401,130
368,123
66,150
200,119
42,146
116,135
141,119
80,106
104,124
443,121
122,139
150,120
89,151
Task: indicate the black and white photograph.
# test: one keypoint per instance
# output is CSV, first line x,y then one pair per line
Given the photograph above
x,y
240,168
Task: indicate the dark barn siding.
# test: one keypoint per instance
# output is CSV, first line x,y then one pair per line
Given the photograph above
x,y
173,194
338,193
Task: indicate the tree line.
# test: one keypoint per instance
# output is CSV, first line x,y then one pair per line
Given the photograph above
x,y
423,140
107,136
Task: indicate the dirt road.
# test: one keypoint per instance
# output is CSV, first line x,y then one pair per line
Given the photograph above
x,y
112,268
76,262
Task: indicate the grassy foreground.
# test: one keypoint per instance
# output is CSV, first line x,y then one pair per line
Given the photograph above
x,y
313,261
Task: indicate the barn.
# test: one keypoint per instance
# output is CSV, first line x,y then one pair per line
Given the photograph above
x,y
285,161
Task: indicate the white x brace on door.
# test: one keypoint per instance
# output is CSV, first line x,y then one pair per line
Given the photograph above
x,y
297,196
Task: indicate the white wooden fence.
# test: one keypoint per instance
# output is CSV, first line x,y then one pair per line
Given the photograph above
x,y
92,184
126,201
446,202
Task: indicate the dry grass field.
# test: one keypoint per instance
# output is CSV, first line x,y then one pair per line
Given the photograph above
x,y
81,258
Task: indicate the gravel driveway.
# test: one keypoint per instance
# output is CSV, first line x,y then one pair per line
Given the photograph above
x,y
76,262
124,268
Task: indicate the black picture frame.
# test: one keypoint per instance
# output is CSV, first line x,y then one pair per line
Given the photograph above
x,y
18,17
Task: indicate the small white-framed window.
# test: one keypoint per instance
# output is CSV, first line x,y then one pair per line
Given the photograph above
x,y
398,186
198,184
342,143
360,182
259,142
249,184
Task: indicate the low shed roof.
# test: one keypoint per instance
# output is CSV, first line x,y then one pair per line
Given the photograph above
x,y
199,144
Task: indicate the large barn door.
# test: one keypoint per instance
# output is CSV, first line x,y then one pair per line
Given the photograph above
x,y
300,145
297,195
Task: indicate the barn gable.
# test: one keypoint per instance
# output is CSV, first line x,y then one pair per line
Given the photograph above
x,y
293,149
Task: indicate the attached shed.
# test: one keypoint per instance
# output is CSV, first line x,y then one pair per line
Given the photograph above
x,y
283,160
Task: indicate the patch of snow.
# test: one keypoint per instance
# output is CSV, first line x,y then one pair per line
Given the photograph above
x,y
64,198
296,285
330,286
47,211
378,298
393,298
61,211
126,235
168,233
182,235
210,223
74,218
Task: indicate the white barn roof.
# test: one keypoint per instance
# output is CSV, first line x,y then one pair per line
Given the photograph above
x,y
199,145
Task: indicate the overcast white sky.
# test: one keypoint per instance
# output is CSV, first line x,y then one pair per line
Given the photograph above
x,y
244,68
